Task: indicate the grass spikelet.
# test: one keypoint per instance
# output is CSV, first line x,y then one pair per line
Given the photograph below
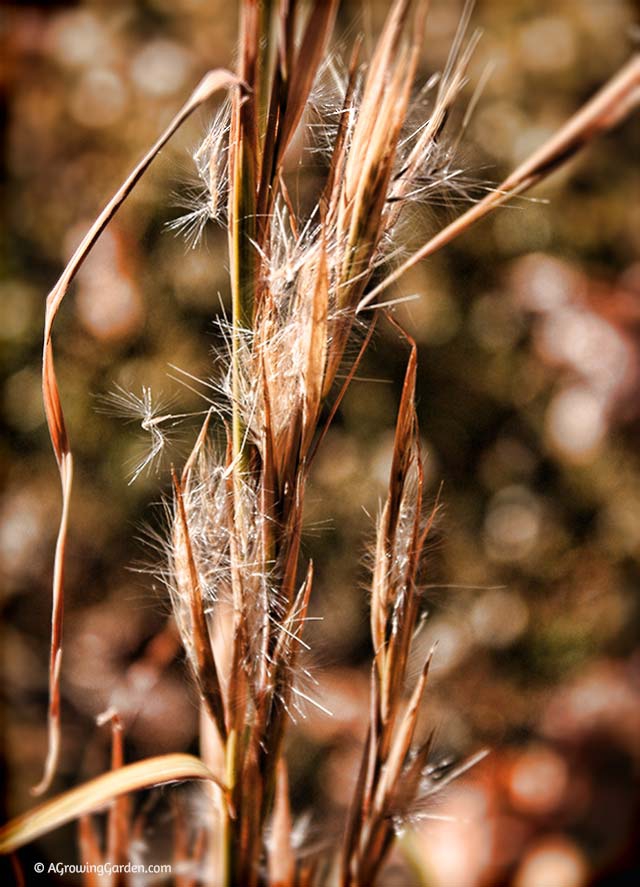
x,y
187,576
205,200
155,420
389,770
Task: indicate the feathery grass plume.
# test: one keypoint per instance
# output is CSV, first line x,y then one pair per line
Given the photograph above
x,y
239,588
204,198
615,101
155,420
391,769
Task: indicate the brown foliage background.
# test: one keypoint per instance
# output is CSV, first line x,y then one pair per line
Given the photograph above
x,y
527,398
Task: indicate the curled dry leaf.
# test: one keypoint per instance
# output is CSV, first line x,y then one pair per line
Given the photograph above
x,y
210,84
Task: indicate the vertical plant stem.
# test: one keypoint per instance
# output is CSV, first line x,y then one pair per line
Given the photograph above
x,y
242,276
242,208
244,174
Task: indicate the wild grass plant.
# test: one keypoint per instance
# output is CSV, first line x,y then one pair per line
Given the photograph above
x,y
306,296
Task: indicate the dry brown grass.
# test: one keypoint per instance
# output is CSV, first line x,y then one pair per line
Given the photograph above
x,y
239,588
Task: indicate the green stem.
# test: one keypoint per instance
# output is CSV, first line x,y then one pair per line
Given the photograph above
x,y
243,261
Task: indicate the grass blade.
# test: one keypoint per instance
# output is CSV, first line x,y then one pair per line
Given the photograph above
x,y
615,101
93,795
211,83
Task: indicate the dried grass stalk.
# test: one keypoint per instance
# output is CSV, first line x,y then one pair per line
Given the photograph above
x,y
208,86
238,584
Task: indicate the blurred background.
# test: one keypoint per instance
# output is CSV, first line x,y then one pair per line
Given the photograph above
x,y
528,329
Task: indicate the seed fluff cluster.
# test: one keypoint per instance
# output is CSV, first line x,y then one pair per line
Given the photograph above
x,y
239,590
